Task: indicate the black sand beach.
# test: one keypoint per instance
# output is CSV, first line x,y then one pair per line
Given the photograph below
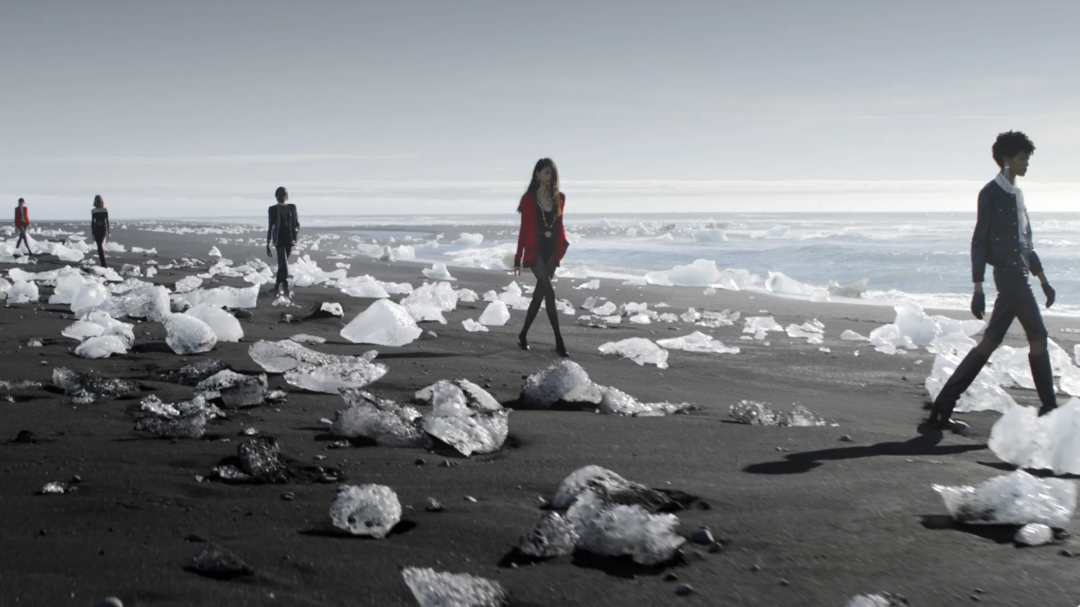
x,y
804,518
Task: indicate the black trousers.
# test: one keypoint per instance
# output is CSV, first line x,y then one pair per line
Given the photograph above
x,y
283,265
1015,301
22,239
99,238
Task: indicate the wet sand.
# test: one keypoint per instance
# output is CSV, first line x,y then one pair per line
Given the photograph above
x,y
822,519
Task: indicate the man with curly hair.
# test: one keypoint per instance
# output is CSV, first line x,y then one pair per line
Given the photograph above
x,y
1002,239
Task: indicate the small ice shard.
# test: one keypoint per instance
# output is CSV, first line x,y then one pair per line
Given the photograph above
x,y
190,375
473,327
187,284
591,302
384,421
495,315
429,301
883,599
1034,534
592,284
214,252
691,315
758,326
458,396
189,335
617,402
260,459
617,530
638,349
1017,498
55,488
329,378
224,325
755,413
216,562
812,331
236,390
84,388
607,309
303,338
222,297
367,510
383,323
551,536
467,296
801,417
362,286
697,342
609,487
280,356
563,381
101,347
437,589
191,426
328,310
469,432
715,320
438,271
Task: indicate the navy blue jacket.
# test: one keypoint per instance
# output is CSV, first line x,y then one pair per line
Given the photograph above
x,y
289,224
996,240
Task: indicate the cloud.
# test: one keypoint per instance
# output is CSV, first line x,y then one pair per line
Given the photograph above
x,y
231,159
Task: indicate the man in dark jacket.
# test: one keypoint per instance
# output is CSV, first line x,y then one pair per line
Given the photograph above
x,y
1002,239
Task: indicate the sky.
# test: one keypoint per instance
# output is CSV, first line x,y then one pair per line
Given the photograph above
x,y
201,109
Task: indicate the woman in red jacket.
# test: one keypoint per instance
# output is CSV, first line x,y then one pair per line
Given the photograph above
x,y
22,224
541,245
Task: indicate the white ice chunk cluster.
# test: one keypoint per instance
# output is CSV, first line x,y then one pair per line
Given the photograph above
x,y
280,356
638,349
187,284
755,413
984,394
617,402
513,296
99,323
188,335
813,331
429,301
849,335
438,271
1026,440
437,589
384,323
1017,498
495,315
362,286
221,297
697,342
464,416
101,347
23,292
473,327
67,284
759,326
366,510
224,325
617,530
381,420
564,381
715,320
914,328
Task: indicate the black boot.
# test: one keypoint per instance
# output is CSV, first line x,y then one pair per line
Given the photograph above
x,y
966,372
1043,374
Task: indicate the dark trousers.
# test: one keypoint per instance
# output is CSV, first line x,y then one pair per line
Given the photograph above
x,y
282,266
100,248
23,240
1014,301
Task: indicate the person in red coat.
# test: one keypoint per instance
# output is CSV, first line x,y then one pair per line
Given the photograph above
x,y
22,224
541,245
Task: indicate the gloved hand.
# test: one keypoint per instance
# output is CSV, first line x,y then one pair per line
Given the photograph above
x,y
269,253
1051,294
978,304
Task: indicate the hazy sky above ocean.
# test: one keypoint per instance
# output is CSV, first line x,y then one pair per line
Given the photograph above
x,y
202,108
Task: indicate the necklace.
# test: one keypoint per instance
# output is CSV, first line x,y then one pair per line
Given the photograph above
x,y
543,217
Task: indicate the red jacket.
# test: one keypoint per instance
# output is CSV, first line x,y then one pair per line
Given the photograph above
x,y
21,218
526,247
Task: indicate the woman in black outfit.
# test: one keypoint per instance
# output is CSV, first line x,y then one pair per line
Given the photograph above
x,y
99,226
282,234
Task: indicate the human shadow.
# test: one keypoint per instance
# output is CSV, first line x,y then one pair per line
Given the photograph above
x,y
1001,534
926,443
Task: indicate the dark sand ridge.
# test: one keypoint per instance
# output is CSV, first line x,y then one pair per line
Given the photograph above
x,y
831,518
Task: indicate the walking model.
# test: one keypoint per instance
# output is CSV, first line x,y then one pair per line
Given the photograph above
x,y
99,226
541,245
1002,239
22,224
284,229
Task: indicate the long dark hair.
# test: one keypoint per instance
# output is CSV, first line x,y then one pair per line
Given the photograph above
x,y
534,183
99,201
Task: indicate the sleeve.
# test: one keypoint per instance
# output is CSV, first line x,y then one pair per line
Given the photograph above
x,y
1036,263
980,238
562,223
296,223
521,233
270,229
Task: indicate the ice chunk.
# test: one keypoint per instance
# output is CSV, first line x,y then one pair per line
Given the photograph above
x,y
984,394
469,432
329,378
384,421
82,330
187,284
362,286
469,240
109,326
883,599
755,413
496,314
851,291
563,381
606,309
551,536
260,459
192,426
638,349
190,375
592,284
384,323
701,273
437,589
1027,440
649,539
617,402
188,335
23,292
280,356
236,390
697,342
89,296
609,487
221,297
802,417
1017,498
812,331
67,284
473,327
458,396
467,295
715,320
304,338
1034,534
214,252
428,302
85,388
913,327
691,315
438,271
101,347
849,335
758,326
369,510
224,325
